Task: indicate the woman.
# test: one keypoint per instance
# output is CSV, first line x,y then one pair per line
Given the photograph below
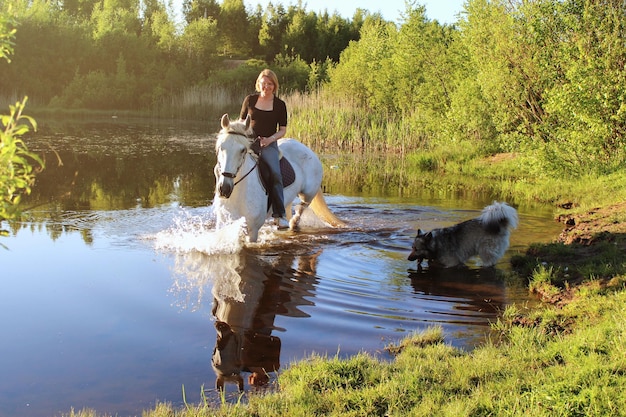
x,y
268,115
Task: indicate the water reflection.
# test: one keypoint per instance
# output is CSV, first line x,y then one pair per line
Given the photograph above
x,y
249,290
473,291
112,166
244,340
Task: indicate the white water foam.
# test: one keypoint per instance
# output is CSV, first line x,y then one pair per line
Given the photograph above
x,y
207,255
197,233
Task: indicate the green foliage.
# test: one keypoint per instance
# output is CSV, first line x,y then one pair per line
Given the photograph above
x,y
587,105
17,163
66,48
302,35
363,73
234,41
201,9
272,29
17,171
115,17
7,33
543,77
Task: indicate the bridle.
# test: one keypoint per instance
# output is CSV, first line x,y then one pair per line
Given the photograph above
x,y
250,152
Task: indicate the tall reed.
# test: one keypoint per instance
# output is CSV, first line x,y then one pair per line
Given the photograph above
x,y
335,123
198,102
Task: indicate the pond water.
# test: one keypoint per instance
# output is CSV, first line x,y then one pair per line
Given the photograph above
x,y
115,288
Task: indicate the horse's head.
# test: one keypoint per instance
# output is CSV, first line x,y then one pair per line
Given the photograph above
x,y
232,146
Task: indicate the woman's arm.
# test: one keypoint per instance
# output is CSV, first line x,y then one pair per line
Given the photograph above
x,y
273,138
244,108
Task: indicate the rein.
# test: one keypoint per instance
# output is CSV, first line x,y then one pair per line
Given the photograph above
x,y
256,163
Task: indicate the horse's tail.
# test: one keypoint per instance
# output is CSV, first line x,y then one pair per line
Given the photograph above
x,y
321,210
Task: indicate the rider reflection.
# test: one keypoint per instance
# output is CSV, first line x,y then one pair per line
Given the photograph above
x,y
244,341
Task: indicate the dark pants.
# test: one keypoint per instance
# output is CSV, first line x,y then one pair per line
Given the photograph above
x,y
270,165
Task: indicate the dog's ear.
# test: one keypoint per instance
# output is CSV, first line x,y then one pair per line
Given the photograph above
x,y
419,233
428,236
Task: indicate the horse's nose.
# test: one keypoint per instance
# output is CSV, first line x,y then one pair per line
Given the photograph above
x,y
226,189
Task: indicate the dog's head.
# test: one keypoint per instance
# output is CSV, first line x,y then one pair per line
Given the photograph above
x,y
422,247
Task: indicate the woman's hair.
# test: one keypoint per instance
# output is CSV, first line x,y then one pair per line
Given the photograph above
x,y
271,75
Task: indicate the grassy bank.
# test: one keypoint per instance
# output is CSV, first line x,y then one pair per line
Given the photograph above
x,y
383,151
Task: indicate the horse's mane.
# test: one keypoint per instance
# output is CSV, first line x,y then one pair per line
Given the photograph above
x,y
237,131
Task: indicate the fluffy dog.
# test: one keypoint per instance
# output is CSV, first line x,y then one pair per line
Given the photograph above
x,y
486,236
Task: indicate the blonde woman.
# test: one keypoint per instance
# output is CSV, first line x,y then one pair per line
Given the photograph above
x,y
268,116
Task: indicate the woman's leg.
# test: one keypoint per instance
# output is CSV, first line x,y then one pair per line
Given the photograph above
x,y
275,185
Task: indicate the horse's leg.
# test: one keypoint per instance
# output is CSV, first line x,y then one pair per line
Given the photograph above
x,y
288,212
253,227
253,235
295,220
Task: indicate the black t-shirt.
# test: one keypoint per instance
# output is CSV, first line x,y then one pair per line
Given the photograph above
x,y
264,122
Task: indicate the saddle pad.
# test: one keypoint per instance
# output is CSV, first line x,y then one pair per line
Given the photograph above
x,y
289,176
286,170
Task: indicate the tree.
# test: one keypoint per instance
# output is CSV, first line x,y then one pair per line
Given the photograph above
x,y
198,45
301,34
201,9
115,17
272,29
233,28
586,123
363,72
81,9
335,33
499,36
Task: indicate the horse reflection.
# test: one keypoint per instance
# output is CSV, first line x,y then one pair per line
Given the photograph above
x,y
244,320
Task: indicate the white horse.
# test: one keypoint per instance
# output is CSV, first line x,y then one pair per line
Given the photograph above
x,y
238,188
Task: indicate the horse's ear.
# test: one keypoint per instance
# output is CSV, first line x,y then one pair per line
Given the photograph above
x,y
225,121
247,122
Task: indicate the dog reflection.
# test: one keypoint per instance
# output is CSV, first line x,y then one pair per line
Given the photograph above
x,y
481,290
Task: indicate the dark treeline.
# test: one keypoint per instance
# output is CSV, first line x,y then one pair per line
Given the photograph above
x,y
545,78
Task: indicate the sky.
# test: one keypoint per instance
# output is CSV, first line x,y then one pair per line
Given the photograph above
x,y
445,11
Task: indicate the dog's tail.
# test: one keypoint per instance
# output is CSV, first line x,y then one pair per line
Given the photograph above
x,y
498,216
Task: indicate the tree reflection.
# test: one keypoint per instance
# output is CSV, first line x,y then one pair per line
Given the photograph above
x,y
113,182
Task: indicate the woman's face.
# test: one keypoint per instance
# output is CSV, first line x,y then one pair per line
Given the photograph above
x,y
267,86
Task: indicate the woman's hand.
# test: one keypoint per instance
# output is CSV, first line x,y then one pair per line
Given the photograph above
x,y
267,141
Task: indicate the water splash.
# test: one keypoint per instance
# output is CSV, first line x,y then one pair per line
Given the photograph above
x,y
197,233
